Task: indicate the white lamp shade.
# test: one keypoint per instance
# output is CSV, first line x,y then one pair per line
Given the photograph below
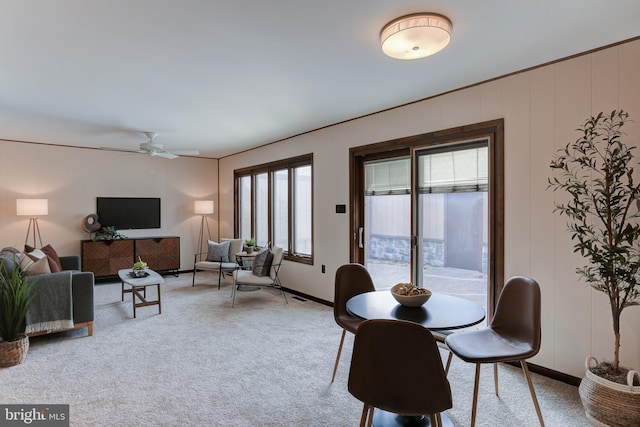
x,y
32,207
415,36
203,207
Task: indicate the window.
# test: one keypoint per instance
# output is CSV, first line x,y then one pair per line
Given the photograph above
x,y
274,204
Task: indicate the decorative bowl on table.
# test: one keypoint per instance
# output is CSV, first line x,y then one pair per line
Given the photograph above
x,y
409,295
138,273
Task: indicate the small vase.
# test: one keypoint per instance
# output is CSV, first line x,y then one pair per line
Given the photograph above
x,y
13,352
249,249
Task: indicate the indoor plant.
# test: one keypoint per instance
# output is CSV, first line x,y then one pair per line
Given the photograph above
x,y
249,244
597,172
15,299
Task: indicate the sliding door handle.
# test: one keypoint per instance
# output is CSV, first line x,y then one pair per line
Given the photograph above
x,y
361,237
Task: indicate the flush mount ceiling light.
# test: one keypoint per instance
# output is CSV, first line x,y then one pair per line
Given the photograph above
x,y
415,36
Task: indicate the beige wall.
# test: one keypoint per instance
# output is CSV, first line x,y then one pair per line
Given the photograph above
x,y
72,178
541,109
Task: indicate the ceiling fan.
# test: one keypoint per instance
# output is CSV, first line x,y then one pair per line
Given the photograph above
x,y
152,148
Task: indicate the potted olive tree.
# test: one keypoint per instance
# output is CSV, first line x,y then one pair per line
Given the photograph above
x,y
15,299
603,211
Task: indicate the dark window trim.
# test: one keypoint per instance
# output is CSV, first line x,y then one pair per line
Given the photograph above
x,y
269,168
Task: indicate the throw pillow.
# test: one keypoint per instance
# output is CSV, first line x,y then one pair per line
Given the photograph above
x,y
24,262
262,263
39,267
218,252
54,260
31,268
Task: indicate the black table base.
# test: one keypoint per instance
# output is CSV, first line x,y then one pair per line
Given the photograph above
x,y
389,419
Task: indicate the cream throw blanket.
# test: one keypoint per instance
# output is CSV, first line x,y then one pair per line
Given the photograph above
x,y
51,309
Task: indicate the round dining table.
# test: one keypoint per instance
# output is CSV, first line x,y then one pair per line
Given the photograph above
x,y
440,312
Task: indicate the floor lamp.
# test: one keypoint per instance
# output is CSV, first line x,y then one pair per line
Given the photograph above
x,y
33,208
203,208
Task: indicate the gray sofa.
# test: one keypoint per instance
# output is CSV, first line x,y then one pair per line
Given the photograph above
x,y
82,284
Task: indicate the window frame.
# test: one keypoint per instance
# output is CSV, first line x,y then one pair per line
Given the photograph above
x,y
270,168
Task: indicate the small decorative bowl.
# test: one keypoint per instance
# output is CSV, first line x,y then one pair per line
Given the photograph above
x,y
410,300
139,273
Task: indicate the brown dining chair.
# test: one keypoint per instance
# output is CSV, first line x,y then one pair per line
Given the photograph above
x,y
351,280
382,377
514,335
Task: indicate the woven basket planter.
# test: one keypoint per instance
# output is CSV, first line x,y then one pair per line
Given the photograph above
x,y
607,403
13,352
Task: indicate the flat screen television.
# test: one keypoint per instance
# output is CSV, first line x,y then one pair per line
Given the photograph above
x,y
128,213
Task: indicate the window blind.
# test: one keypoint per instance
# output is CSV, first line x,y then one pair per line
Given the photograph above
x,y
388,177
465,170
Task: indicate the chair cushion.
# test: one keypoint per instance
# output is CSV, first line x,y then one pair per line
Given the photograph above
x,y
486,346
216,265
262,262
246,277
218,251
235,246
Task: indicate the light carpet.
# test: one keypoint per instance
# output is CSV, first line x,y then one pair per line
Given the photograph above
x,y
262,363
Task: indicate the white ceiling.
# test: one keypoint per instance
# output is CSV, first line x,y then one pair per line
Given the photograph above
x,y
224,76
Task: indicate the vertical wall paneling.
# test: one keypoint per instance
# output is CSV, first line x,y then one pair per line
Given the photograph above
x,y
543,225
573,297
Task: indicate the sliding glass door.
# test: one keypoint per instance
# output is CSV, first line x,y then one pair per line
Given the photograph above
x,y
451,219
428,210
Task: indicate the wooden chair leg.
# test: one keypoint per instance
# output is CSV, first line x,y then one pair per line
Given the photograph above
x,y
439,417
449,359
370,420
433,420
475,396
335,367
527,375
365,415
495,377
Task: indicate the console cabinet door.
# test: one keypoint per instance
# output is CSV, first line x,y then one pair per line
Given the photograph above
x,y
169,254
95,258
106,257
120,255
147,250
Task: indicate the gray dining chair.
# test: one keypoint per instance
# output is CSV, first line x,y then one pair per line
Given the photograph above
x,y
514,335
351,280
379,378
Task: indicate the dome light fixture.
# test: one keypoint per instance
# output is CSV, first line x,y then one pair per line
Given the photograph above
x,y
415,36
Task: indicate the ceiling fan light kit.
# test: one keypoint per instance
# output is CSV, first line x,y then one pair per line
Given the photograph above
x,y
415,36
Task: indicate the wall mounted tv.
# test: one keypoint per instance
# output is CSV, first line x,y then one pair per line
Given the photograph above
x,y
127,213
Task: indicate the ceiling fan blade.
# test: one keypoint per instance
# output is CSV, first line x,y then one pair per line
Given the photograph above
x,y
120,149
186,152
164,154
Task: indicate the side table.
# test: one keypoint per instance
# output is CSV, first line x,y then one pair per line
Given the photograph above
x,y
138,288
